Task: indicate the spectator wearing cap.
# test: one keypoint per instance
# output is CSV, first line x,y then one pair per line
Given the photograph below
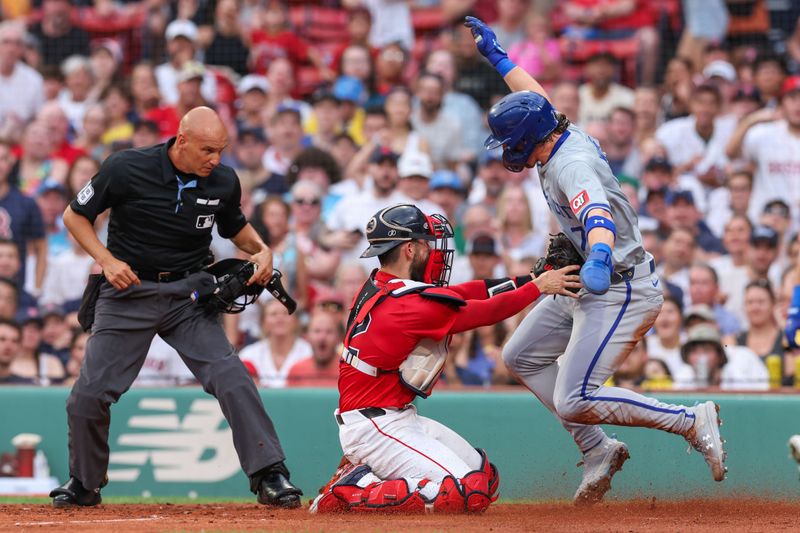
x,y
307,227
683,214
678,253
190,81
25,225
181,37
459,105
447,191
732,267
442,133
95,124
352,94
731,200
21,87
620,147
348,220
326,118
248,152
601,94
57,37
770,141
106,61
415,170
276,40
696,144
41,368
708,364
56,334
76,96
119,104
722,75
762,255
253,91
324,336
517,235
227,48
9,350
51,198
10,265
704,289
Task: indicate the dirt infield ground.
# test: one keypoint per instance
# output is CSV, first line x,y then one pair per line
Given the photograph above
x,y
684,516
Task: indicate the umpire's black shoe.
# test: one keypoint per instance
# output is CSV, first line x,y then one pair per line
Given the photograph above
x,y
72,494
274,488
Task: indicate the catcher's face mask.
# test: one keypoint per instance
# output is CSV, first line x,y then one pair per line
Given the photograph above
x,y
440,259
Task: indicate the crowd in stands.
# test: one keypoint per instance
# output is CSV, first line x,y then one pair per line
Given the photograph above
x,y
338,108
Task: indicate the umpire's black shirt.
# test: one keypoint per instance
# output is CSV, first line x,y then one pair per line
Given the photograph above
x,y
155,224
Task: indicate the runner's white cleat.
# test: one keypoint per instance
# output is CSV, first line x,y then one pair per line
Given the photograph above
x,y
794,448
599,466
705,438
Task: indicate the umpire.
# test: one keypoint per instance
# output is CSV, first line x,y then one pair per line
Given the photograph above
x,y
164,202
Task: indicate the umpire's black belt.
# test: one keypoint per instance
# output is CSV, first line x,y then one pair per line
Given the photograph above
x,y
367,412
634,272
163,277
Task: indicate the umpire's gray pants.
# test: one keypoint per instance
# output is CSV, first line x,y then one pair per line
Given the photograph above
x,y
592,336
125,323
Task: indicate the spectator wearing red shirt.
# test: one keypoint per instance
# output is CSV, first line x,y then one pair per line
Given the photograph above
x,y
359,23
325,335
52,115
276,40
168,117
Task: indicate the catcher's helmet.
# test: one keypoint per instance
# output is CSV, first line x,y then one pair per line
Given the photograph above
x,y
520,121
395,225
231,293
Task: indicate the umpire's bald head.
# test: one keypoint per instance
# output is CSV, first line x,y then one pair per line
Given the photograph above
x,y
201,138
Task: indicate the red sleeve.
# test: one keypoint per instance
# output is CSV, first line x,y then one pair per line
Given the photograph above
x,y
297,48
479,313
471,290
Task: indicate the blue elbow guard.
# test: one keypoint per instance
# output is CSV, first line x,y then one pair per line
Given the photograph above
x,y
601,222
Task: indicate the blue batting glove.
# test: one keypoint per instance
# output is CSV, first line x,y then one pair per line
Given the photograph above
x,y
486,40
793,320
596,271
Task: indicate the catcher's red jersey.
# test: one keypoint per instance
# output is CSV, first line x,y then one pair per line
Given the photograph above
x,y
396,325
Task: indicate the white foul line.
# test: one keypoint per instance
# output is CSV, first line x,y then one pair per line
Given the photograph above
x,y
99,521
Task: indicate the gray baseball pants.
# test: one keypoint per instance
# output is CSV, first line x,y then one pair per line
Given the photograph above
x,y
125,323
566,349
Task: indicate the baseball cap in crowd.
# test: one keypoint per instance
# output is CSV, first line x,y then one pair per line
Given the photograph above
x,y
702,334
191,70
252,82
109,45
51,185
720,69
701,311
383,153
764,234
446,179
490,156
676,196
48,310
414,164
181,28
777,207
26,316
483,244
254,133
324,95
349,89
658,163
790,84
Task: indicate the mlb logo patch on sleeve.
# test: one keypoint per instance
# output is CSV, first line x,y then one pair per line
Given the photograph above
x,y
85,194
204,221
580,200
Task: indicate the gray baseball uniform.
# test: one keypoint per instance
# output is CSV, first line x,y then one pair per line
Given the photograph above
x,y
594,333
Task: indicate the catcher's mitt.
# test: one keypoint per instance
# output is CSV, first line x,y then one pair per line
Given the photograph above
x,y
560,253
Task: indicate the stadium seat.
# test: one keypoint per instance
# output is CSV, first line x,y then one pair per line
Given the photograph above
x,y
427,19
319,24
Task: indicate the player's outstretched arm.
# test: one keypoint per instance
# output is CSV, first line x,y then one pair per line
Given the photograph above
x,y
515,77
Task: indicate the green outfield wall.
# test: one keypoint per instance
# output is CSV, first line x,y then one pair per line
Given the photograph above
x,y
175,442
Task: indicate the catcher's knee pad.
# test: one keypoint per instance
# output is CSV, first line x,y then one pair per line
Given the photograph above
x,y
470,494
391,496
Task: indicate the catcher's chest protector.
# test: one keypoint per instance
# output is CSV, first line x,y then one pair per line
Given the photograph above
x,y
420,370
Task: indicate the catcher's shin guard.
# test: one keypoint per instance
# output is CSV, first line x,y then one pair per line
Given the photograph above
x,y
494,475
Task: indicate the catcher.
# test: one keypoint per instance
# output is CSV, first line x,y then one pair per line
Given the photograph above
x,y
164,202
395,347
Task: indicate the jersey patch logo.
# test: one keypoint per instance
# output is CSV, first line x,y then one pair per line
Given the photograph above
x,y
204,221
86,194
580,200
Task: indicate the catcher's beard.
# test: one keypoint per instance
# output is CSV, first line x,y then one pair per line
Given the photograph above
x,y
418,265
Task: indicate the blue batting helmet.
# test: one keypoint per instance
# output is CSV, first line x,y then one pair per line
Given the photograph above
x,y
519,122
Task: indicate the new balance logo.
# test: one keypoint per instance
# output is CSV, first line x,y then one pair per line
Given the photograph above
x,y
197,448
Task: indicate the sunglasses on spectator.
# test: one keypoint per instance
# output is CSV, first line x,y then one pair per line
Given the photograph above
x,y
307,201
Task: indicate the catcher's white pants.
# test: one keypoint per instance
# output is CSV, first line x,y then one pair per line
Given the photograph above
x,y
402,444
590,337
